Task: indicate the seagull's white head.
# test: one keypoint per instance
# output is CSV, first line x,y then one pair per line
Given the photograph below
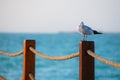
x,y
82,23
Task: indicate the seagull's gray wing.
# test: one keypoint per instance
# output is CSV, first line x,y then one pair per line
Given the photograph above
x,y
87,28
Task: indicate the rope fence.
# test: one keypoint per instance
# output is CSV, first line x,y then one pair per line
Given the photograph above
x,y
54,58
11,55
102,59
86,59
2,78
62,57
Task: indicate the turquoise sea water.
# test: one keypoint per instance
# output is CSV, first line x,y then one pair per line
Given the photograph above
x,y
59,44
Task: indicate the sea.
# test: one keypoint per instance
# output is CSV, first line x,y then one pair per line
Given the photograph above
x,y
107,45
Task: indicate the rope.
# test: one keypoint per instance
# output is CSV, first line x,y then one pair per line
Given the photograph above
x,y
54,58
31,76
2,78
103,60
11,55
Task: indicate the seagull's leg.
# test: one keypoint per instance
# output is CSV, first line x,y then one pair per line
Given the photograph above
x,y
83,37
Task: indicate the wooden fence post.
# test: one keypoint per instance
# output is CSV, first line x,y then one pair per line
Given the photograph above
x,y
29,60
86,61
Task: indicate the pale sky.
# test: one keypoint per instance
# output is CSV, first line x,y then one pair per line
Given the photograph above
x,y
46,16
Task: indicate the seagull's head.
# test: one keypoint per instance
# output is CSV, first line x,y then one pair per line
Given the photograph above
x,y
82,23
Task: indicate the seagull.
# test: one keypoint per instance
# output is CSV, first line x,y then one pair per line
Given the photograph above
x,y
86,30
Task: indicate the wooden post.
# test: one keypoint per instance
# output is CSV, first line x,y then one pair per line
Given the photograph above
x,y
86,61
29,60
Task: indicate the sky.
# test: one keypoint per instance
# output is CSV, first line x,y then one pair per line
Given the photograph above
x,y
52,16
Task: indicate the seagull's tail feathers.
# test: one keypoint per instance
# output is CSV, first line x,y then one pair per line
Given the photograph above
x,y
96,32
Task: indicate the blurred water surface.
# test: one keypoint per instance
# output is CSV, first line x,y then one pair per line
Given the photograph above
x,y
59,44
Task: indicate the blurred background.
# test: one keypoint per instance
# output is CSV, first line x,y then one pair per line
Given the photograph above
x,y
54,26
48,16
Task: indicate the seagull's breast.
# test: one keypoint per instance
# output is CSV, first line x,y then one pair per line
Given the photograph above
x,y
81,30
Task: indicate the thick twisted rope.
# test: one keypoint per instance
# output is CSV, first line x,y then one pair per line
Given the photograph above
x,y
31,77
54,58
103,60
2,78
11,55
